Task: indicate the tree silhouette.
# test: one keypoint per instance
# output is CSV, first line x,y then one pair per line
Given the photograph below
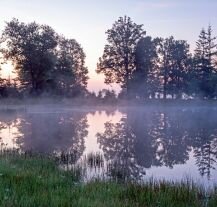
x,y
118,60
45,62
144,80
30,47
70,71
175,66
204,64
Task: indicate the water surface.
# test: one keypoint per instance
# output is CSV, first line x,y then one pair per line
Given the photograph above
x,y
167,143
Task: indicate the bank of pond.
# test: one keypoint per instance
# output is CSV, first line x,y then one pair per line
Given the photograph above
x,y
28,179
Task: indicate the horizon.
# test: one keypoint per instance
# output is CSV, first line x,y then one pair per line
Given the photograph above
x,y
89,29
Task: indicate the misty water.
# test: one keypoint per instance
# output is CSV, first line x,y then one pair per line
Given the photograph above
x,y
164,143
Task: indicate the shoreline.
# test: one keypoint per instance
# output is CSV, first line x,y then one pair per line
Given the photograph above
x,y
7,104
31,180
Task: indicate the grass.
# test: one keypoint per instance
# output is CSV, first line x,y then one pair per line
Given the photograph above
x,y
33,180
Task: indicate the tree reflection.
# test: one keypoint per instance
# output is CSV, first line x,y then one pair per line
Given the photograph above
x,y
54,132
143,139
171,134
117,143
203,131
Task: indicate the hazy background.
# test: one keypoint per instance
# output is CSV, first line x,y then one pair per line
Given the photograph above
x,y
87,21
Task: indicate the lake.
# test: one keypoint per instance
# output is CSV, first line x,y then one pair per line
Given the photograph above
x,y
138,143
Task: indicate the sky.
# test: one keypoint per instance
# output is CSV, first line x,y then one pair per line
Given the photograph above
x,y
87,20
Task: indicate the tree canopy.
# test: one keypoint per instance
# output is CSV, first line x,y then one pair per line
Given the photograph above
x,y
44,61
118,60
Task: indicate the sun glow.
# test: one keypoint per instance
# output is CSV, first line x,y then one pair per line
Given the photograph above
x,y
7,70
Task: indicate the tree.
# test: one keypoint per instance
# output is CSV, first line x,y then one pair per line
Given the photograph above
x,y
71,75
174,66
118,60
31,49
44,61
165,53
205,69
144,77
109,96
179,68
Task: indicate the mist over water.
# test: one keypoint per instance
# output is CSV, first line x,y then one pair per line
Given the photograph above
x,y
164,143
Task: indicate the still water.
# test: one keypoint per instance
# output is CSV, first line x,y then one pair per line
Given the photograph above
x,y
163,143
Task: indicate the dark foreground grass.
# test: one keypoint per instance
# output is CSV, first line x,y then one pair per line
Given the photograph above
x,y
28,181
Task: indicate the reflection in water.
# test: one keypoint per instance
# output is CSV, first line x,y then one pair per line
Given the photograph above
x,y
53,132
8,129
146,139
129,143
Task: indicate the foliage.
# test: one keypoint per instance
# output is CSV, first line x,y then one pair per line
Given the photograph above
x,y
175,66
30,47
45,62
205,70
144,80
48,64
70,71
106,96
155,68
118,60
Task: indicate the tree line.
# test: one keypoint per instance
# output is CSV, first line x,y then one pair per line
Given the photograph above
x,y
147,67
47,63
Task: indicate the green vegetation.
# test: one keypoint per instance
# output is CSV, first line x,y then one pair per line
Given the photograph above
x,y
32,180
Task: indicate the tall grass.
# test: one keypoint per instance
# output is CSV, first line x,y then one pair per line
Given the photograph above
x,y
28,180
